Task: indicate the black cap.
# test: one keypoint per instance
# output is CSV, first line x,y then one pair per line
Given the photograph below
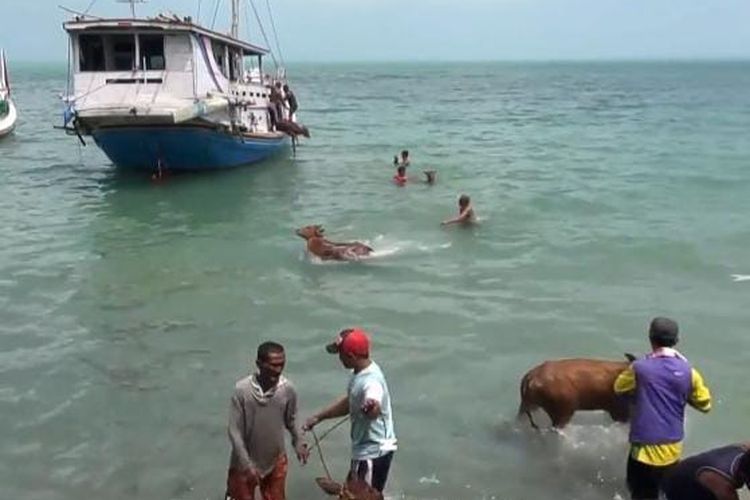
x,y
663,332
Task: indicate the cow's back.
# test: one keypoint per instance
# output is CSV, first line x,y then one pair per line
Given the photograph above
x,y
586,384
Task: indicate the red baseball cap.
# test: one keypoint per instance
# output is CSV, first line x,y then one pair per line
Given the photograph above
x,y
351,341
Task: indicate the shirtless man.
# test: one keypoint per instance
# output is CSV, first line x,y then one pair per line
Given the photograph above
x,y
712,475
465,212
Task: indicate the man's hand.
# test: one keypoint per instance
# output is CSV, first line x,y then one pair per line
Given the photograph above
x,y
371,408
303,452
310,423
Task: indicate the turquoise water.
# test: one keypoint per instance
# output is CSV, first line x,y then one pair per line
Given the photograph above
x,y
608,193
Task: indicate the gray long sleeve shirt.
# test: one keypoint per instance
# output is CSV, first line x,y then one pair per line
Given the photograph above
x,y
257,421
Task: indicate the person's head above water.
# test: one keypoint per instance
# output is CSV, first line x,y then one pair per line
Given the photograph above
x,y
663,332
401,171
464,201
430,176
404,154
285,87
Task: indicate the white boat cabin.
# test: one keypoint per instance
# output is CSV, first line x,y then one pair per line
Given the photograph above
x,y
164,70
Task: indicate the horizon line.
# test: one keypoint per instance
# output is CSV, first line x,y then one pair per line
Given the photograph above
x,y
656,59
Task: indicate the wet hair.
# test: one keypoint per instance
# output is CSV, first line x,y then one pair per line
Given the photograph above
x,y
464,199
405,153
663,332
401,170
267,348
285,87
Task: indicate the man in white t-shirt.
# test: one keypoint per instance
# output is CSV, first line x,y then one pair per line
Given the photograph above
x,y
368,404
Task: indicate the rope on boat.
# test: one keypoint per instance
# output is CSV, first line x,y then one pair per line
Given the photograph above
x,y
89,7
275,35
216,11
263,31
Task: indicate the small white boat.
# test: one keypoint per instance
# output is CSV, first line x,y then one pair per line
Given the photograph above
x,y
8,115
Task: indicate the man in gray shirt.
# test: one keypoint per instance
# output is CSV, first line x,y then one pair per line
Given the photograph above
x,y
263,405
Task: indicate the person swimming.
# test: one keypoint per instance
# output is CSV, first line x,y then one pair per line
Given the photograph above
x,y
403,161
466,213
400,177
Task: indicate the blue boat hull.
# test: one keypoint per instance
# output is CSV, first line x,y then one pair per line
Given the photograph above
x,y
183,148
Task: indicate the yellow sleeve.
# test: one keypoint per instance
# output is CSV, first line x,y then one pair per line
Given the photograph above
x,y
625,381
700,397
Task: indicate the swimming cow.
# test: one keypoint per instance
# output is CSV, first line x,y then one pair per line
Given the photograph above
x,y
331,250
562,387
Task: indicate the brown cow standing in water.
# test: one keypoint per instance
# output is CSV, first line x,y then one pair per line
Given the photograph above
x,y
330,250
562,387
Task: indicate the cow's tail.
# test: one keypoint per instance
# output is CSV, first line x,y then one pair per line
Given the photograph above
x,y
526,406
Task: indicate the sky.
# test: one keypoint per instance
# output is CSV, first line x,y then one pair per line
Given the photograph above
x,y
427,30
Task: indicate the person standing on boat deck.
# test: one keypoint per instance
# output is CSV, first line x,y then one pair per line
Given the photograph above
x,y
712,475
291,100
279,101
263,405
661,385
465,212
274,104
368,404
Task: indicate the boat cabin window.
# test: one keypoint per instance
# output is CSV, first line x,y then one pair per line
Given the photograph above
x,y
91,52
123,52
220,52
152,51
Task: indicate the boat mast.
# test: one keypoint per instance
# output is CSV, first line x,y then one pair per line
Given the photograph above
x,y
235,18
132,5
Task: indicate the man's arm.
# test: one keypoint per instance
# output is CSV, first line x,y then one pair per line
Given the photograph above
x,y
717,484
454,220
625,382
700,397
337,409
290,417
373,396
236,431
290,421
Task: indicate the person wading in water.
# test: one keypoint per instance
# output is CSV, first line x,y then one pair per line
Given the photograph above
x,y
263,405
368,404
661,385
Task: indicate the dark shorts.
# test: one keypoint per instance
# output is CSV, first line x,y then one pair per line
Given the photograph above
x,y
374,472
645,480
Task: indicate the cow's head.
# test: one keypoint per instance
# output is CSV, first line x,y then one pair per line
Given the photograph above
x,y
313,231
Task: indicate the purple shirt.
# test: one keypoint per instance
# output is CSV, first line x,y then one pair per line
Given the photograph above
x,y
663,386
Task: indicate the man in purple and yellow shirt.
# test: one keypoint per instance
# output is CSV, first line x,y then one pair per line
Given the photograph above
x,y
661,385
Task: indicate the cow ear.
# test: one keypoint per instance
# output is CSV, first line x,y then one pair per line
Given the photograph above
x,y
630,357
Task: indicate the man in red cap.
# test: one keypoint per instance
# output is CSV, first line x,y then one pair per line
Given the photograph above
x,y
368,404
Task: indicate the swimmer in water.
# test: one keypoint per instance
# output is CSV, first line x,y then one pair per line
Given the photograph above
x,y
400,178
465,213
